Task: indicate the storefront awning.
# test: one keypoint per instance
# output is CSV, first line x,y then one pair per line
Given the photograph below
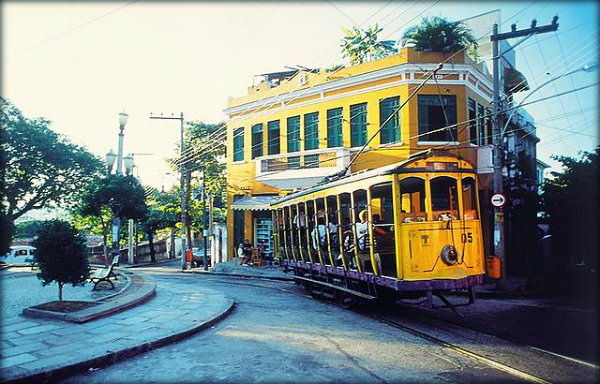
x,y
254,203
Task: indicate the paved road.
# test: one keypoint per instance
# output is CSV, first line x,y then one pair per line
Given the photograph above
x,y
278,334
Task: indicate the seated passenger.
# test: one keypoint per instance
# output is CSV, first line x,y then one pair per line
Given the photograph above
x,y
362,231
319,234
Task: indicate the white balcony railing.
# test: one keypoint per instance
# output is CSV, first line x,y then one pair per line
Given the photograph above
x,y
307,167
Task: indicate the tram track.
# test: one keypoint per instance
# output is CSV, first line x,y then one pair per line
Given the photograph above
x,y
524,362
520,361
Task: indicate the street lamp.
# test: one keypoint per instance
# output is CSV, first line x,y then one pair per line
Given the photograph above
x,y
110,160
586,68
128,160
123,117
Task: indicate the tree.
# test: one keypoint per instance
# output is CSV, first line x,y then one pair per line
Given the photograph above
x,y
41,168
114,196
156,219
61,255
363,45
437,34
570,201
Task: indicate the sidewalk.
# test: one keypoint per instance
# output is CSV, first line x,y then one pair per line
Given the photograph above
x,y
36,349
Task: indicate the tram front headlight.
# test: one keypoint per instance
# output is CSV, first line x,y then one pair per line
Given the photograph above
x,y
449,255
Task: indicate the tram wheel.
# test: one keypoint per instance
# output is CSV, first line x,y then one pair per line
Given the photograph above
x,y
344,300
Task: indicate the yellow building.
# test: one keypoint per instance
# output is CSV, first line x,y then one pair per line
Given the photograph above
x,y
296,128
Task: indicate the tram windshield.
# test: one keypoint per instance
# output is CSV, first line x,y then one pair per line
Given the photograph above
x,y
444,200
469,195
412,202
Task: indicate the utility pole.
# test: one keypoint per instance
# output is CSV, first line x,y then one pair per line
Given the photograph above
x,y
205,217
181,171
499,235
213,252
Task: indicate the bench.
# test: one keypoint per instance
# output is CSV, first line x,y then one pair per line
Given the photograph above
x,y
104,274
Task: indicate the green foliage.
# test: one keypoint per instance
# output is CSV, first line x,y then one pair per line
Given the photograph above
x,y
570,201
363,45
122,196
437,34
204,157
61,255
41,168
27,229
113,196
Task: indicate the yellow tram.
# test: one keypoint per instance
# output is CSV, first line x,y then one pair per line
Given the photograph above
x,y
409,229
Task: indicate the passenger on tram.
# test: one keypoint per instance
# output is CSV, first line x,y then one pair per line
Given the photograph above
x,y
319,234
362,231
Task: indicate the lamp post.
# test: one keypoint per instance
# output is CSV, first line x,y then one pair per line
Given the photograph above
x,y
182,171
110,160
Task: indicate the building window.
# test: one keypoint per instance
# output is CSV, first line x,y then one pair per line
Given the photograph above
x,y
293,134
389,120
273,145
472,123
358,125
480,119
434,110
334,127
257,140
238,144
311,131
311,161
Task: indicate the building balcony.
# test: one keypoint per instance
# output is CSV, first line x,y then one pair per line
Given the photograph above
x,y
298,170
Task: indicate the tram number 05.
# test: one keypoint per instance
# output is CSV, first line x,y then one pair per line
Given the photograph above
x,y
466,237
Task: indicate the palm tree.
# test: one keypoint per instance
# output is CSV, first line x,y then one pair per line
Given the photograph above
x,y
363,45
437,34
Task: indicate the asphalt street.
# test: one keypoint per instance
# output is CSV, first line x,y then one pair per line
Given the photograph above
x,y
279,334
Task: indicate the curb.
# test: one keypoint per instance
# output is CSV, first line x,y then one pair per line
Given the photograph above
x,y
277,278
112,357
126,301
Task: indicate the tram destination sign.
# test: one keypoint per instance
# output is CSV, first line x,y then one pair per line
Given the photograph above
x,y
498,200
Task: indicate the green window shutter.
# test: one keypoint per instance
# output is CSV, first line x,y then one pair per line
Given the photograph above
x,y
334,128
293,134
257,140
358,125
238,144
389,120
311,131
273,137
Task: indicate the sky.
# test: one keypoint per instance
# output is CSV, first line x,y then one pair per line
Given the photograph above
x,y
78,64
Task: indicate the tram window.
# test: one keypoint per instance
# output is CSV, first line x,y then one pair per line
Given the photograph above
x,y
281,232
294,231
288,232
469,196
310,216
320,237
333,229
363,240
302,224
346,229
412,202
382,210
444,201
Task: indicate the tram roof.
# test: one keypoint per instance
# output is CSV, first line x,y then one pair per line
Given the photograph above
x,y
361,175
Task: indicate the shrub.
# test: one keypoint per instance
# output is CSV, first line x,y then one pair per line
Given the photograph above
x,y
61,255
